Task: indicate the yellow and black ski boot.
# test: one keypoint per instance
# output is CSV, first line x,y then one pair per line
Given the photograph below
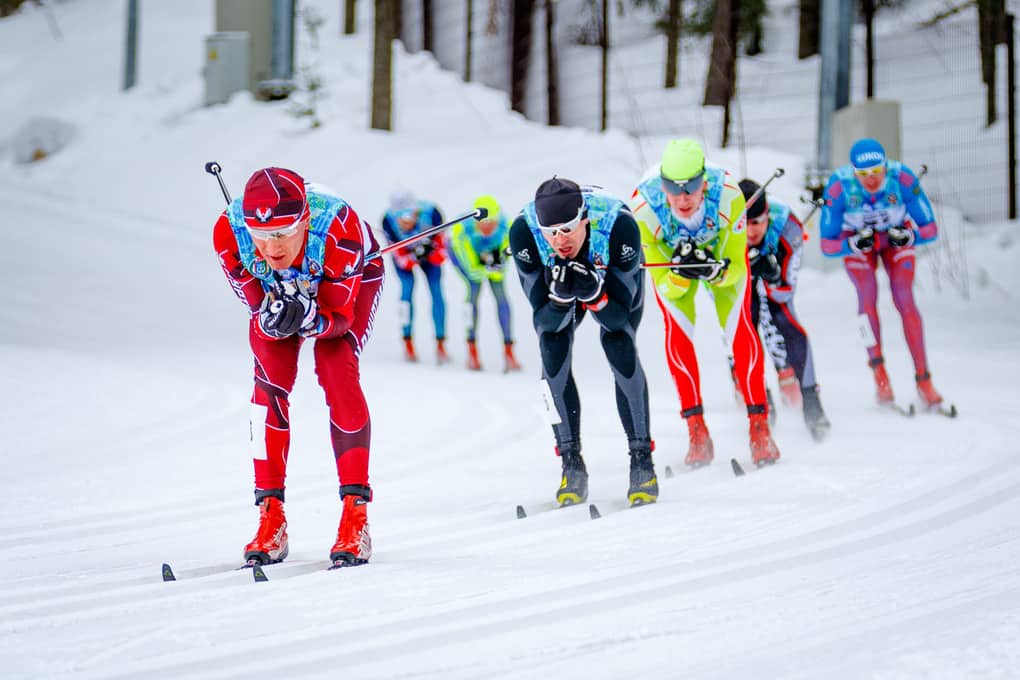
x,y
574,483
644,486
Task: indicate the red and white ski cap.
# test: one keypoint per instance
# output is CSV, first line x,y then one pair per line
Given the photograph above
x,y
274,198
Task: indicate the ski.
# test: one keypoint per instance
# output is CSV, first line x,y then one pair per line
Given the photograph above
x,y
593,509
893,407
669,473
169,575
739,471
941,410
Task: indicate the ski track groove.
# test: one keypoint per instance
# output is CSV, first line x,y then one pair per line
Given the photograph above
x,y
483,620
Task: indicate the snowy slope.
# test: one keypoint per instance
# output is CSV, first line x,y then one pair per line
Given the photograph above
x,y
890,551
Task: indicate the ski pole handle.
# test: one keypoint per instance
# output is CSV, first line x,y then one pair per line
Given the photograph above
x,y
214,169
478,214
779,172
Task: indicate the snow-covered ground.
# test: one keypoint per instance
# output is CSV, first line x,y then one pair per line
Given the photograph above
x,y
889,551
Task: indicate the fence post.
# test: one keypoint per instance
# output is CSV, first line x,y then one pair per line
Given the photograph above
x,y
131,45
1011,111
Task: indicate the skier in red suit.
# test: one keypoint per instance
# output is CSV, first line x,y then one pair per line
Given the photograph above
x,y
295,254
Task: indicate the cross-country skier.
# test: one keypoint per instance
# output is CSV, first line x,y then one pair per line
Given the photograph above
x,y
294,253
775,240
692,215
478,251
406,217
560,242
875,209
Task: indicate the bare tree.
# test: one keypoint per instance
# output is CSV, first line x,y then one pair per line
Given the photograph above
x,y
426,25
349,17
520,52
382,65
552,74
469,40
673,22
719,83
810,18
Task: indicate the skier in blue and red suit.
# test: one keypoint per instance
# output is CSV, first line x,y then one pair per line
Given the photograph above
x,y
406,217
875,209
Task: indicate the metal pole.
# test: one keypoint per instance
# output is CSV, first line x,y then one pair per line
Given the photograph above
x,y
1011,110
834,79
282,58
868,9
131,45
468,46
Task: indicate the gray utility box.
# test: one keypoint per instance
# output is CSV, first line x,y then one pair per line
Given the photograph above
x,y
226,65
875,118
270,23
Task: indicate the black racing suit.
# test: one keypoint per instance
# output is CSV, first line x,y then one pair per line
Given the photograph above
x,y
618,321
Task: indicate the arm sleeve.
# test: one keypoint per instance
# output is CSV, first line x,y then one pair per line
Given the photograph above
x,y
623,275
731,243
242,282
402,257
918,207
343,266
834,238
546,315
791,247
466,255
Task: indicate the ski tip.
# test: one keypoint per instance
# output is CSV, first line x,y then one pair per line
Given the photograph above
x,y
258,574
952,412
737,470
911,410
521,514
594,511
168,573
668,472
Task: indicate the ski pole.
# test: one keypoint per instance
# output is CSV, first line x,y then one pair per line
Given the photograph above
x,y
779,172
214,169
478,214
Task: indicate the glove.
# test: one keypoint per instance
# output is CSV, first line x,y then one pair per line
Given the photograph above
x,y
559,279
587,281
764,266
281,316
863,241
697,263
491,259
423,248
900,237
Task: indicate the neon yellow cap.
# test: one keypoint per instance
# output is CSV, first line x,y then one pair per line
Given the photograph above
x,y
490,205
682,159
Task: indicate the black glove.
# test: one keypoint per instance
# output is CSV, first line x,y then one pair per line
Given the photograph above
x,y
697,263
559,277
587,281
423,248
900,237
281,316
764,266
863,241
491,259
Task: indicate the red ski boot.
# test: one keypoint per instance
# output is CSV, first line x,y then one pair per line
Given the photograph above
x,y
409,353
510,362
701,451
353,543
473,363
270,542
763,449
789,388
441,356
929,397
884,395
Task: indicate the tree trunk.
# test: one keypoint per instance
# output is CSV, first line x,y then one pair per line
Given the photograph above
x,y
382,64
469,40
398,20
520,52
552,76
991,22
675,17
810,18
868,10
349,16
718,84
426,25
604,40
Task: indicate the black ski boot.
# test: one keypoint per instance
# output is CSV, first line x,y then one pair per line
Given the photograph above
x,y
814,416
574,483
644,486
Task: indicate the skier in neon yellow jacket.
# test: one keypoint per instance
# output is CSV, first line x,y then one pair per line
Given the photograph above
x,y
478,251
692,215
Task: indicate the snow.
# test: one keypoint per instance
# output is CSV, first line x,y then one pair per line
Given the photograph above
x,y
889,551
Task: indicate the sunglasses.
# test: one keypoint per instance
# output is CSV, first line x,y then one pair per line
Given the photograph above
x,y
686,187
865,172
564,228
278,233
